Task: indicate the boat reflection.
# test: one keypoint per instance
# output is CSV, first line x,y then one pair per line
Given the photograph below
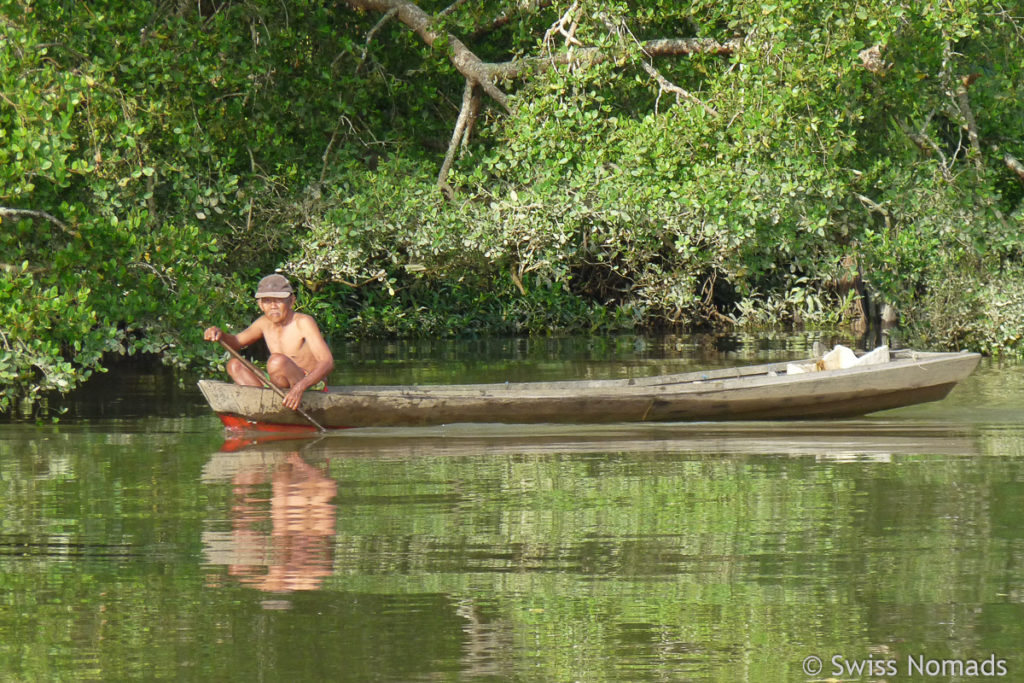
x,y
841,440
279,534
282,520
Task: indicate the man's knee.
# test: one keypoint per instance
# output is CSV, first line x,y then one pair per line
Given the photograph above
x,y
278,363
235,367
241,374
283,370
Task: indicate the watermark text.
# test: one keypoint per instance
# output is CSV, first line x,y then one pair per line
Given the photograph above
x,y
992,666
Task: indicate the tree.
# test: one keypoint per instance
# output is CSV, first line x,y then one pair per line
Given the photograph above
x,y
486,76
603,164
802,136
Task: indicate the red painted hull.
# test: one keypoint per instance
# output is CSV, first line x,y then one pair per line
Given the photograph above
x,y
236,423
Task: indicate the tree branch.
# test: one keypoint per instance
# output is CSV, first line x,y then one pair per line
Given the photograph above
x,y
972,126
27,213
467,115
507,16
956,89
964,104
379,275
664,85
927,146
371,33
1014,165
451,8
875,207
665,47
334,136
487,74
566,26
662,47
484,76
467,63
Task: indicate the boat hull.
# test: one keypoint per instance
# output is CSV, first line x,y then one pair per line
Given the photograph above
x,y
761,392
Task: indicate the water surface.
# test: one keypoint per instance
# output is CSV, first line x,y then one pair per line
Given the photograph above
x,y
141,543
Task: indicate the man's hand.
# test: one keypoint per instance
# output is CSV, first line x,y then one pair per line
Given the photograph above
x,y
213,334
294,397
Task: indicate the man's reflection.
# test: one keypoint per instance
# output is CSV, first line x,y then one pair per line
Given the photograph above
x,y
285,543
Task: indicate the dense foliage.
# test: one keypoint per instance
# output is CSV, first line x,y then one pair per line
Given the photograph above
x,y
156,157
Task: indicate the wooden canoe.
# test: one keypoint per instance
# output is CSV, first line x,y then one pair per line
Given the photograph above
x,y
760,392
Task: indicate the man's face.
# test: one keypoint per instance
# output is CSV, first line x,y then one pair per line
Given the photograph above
x,y
276,309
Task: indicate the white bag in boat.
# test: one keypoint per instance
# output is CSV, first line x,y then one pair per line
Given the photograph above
x,y
876,357
838,358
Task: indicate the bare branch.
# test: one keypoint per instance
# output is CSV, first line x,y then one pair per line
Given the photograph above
x,y
593,55
451,8
487,74
875,207
378,276
664,85
565,26
505,17
956,90
27,213
972,126
15,109
484,76
964,105
168,282
517,280
20,268
467,63
1014,165
927,146
664,47
467,114
330,144
372,32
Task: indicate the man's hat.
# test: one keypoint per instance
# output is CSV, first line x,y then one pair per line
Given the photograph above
x,y
274,287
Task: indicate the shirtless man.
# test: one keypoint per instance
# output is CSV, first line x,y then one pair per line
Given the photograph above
x,y
299,356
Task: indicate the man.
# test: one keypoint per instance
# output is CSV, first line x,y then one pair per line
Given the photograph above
x,y
299,356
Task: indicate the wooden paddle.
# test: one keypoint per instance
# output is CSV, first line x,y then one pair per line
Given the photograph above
x,y
266,380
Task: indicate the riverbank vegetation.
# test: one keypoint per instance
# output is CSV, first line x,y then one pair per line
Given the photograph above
x,y
441,168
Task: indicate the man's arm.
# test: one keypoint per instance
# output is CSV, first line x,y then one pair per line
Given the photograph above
x,y
251,334
321,354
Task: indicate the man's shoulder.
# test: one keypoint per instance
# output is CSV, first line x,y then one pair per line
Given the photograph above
x,y
258,325
304,319
305,324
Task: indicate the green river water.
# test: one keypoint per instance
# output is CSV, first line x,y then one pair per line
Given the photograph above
x,y
138,543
